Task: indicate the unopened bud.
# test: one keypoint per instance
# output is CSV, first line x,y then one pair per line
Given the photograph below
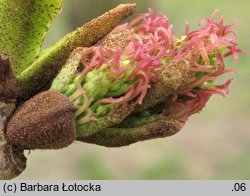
x,y
46,121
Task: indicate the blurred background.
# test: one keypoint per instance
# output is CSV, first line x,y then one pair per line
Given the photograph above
x,y
214,144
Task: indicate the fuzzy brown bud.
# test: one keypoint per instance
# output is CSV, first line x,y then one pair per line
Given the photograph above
x,y
46,121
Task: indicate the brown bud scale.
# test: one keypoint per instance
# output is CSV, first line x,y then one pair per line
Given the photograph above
x,y
46,121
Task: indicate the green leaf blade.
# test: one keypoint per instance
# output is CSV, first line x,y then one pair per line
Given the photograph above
x,y
23,25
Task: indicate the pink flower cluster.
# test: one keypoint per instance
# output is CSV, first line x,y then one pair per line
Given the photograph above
x,y
214,40
203,49
144,53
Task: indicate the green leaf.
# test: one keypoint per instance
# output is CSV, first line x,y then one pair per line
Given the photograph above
x,y
23,25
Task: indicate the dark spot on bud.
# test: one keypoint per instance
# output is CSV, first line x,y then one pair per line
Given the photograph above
x,y
89,57
80,67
